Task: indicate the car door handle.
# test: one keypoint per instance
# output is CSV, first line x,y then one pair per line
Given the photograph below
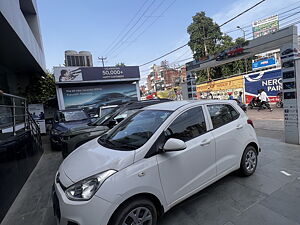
x,y
240,126
205,142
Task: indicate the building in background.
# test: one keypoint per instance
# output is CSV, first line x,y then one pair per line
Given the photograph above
x,y
82,58
163,77
22,57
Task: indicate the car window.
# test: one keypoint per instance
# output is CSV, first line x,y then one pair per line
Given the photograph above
x,y
188,125
74,116
135,131
222,114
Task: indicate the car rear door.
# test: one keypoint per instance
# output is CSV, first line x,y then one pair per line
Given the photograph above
x,y
228,131
183,172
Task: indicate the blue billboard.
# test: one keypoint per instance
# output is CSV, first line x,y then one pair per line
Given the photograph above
x,y
270,81
264,63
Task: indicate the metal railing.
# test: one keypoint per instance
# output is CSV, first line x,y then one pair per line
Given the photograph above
x,y
11,113
15,112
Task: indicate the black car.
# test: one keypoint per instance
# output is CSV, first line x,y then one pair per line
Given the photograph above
x,y
78,136
289,51
221,56
65,120
288,64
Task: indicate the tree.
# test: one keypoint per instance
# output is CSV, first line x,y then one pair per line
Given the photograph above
x,y
121,64
204,35
206,39
41,89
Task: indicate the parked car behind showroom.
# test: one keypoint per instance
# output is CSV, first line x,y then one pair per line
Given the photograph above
x,y
65,120
80,135
154,159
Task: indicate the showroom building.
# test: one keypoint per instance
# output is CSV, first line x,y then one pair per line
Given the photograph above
x,y
22,61
21,57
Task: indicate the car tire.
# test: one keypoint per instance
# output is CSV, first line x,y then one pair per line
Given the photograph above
x,y
249,161
138,211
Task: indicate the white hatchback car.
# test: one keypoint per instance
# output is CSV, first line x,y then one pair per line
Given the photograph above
x,y
153,160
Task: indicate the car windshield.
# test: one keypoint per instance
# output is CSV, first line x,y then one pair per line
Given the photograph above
x,y
103,118
105,111
135,131
125,114
74,116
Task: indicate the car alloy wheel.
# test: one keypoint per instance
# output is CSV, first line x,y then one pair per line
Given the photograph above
x,y
138,216
250,161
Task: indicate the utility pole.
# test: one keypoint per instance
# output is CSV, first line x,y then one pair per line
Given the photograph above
x,y
206,51
244,34
102,59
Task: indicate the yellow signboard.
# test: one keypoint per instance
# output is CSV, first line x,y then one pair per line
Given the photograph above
x,y
220,85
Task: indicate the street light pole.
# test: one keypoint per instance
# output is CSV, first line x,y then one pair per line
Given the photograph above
x,y
244,34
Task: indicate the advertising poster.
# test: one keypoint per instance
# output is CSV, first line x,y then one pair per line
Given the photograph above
x,y
265,26
67,74
264,63
220,88
79,74
95,96
270,81
38,114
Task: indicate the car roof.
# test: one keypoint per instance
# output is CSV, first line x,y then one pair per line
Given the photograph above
x,y
145,103
174,105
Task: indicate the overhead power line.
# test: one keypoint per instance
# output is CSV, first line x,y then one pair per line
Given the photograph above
x,y
132,27
124,29
218,26
153,22
139,27
164,55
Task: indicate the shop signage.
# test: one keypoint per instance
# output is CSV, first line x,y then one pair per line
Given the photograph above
x,y
264,63
79,74
265,26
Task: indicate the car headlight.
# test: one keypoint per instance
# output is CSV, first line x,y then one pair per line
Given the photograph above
x,y
84,190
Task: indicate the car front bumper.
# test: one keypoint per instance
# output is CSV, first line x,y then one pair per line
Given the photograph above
x,y
96,211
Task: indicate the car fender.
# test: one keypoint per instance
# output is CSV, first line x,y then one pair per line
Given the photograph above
x,y
127,183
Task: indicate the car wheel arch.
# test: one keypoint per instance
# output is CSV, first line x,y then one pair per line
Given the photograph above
x,y
154,199
253,144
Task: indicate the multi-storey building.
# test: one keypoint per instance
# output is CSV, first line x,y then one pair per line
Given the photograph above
x,y
163,77
82,58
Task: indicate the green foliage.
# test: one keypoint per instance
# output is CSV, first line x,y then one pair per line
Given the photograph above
x,y
41,89
207,39
203,33
120,64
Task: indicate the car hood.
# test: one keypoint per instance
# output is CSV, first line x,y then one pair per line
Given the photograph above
x,y
92,158
86,128
72,124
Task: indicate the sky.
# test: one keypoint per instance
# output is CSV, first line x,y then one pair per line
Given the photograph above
x,y
137,31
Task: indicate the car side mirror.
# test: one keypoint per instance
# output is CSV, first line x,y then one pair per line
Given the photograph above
x,y
174,144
